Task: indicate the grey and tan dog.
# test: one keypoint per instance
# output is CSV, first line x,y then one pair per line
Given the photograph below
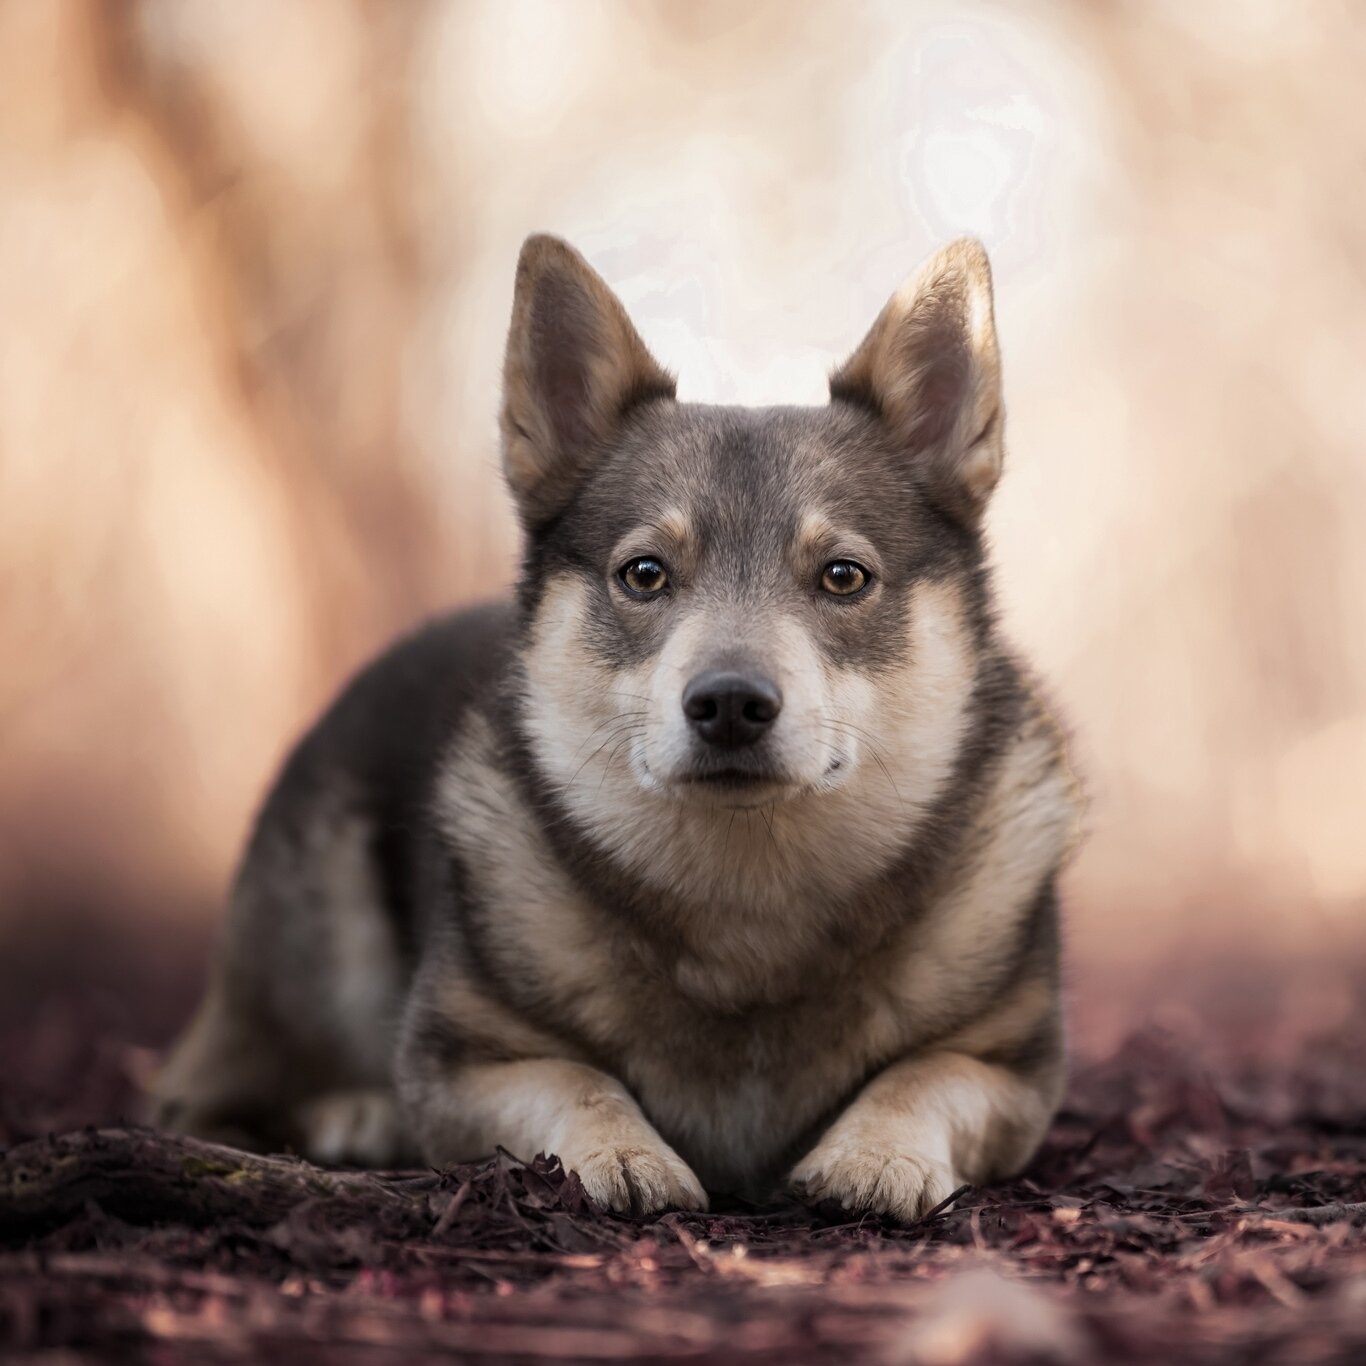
x,y
722,858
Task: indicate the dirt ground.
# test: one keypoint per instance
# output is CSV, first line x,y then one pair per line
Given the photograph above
x,y
1201,1198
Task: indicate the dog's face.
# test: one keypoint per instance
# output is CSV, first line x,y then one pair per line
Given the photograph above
x,y
737,584
746,607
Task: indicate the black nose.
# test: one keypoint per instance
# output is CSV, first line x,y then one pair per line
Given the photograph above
x,y
730,710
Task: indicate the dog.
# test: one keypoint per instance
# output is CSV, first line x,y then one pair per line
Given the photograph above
x,y
723,858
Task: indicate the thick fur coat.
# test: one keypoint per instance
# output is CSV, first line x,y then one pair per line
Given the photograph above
x,y
725,856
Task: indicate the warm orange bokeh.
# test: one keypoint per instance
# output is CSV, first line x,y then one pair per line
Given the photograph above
x,y
255,267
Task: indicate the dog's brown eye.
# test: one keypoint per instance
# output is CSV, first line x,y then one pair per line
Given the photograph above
x,y
844,577
645,577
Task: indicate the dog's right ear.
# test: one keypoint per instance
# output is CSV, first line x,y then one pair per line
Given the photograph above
x,y
575,365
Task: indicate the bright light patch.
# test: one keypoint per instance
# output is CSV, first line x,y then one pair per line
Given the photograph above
x,y
529,58
979,126
967,178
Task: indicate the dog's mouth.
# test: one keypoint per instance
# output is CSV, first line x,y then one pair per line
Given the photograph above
x,y
735,784
739,781
730,777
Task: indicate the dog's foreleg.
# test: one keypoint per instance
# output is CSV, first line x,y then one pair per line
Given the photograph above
x,y
581,1115
922,1128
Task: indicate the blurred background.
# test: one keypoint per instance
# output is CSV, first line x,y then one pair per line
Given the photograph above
x,y
255,269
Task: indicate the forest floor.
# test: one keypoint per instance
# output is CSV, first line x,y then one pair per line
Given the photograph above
x,y
1201,1198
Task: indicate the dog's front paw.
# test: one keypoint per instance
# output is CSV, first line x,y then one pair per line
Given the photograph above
x,y
872,1179
636,1179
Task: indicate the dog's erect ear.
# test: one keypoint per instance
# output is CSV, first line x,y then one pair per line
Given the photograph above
x,y
930,369
574,366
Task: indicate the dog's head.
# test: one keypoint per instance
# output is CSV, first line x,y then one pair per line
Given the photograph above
x,y
750,607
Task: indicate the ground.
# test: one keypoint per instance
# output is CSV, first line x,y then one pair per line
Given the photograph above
x,y
1201,1198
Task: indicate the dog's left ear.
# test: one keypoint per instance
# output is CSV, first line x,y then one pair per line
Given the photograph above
x,y
574,367
930,369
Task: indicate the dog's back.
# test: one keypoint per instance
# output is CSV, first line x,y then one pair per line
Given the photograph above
x,y
294,1043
